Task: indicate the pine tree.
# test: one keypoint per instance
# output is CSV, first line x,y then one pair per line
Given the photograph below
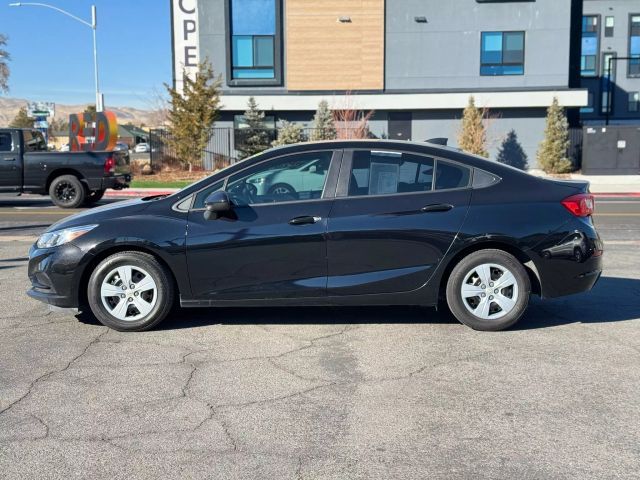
x,y
324,127
472,137
552,154
255,135
192,113
4,67
289,134
22,120
512,153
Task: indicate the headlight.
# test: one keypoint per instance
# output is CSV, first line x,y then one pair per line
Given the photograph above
x,y
259,180
60,237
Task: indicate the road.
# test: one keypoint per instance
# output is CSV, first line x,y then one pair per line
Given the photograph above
x,y
323,393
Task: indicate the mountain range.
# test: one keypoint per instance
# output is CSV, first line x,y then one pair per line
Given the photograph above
x,y
9,108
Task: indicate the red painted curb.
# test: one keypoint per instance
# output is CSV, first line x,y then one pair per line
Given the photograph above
x,y
617,194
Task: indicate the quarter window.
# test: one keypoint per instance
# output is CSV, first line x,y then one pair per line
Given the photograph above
x,y
634,45
285,179
502,53
589,48
254,40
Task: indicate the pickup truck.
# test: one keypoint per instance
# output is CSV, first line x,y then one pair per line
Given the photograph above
x,y
71,179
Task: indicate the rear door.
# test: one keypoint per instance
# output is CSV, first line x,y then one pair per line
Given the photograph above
x,y
10,162
394,217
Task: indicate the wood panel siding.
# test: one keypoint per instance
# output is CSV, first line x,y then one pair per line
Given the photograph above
x,y
325,54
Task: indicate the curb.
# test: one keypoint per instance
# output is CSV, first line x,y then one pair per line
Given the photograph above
x,y
134,193
616,194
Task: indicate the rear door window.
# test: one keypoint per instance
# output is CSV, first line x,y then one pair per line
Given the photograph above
x,y
6,143
386,172
451,175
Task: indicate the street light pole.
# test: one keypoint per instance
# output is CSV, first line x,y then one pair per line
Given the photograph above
x,y
93,25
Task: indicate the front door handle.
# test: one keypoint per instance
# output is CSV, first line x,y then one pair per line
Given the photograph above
x,y
304,220
9,159
436,207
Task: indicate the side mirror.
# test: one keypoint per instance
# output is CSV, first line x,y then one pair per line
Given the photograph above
x,y
216,204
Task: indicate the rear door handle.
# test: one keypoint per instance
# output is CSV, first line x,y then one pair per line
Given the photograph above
x,y
304,220
436,207
9,159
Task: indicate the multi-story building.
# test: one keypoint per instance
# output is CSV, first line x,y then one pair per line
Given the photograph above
x,y
610,61
415,63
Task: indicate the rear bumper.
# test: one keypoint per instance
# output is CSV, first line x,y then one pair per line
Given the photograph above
x,y
571,268
117,182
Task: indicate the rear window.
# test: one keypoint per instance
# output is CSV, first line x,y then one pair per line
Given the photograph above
x,y
34,141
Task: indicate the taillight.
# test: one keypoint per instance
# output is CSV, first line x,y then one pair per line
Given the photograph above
x,y
581,205
109,165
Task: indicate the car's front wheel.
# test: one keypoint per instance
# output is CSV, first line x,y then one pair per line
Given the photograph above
x,y
488,290
130,291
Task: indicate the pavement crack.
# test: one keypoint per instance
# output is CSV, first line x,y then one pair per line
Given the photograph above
x,y
46,375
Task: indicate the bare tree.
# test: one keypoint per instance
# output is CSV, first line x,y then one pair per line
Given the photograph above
x,y
4,65
349,121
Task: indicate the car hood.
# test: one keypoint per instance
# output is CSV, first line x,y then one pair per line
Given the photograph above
x,y
100,214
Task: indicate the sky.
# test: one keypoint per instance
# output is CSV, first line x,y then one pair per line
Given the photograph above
x,y
52,54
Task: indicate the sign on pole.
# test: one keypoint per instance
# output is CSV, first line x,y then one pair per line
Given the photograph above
x,y
41,109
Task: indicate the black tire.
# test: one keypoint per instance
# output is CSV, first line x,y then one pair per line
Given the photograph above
x,y
455,300
165,291
67,191
94,197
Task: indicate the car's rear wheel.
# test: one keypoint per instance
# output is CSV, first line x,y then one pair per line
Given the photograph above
x,y
67,191
488,290
130,291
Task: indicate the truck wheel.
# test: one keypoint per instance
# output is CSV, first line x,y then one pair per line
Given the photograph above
x,y
67,191
94,197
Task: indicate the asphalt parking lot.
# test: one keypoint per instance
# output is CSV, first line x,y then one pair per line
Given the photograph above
x,y
323,393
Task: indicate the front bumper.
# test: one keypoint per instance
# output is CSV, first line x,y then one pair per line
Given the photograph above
x,y
53,273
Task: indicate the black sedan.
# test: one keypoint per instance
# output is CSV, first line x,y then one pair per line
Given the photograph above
x,y
330,223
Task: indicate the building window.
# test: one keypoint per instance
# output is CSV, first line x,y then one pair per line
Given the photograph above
x,y
634,101
255,42
589,107
634,45
502,53
608,80
589,50
609,23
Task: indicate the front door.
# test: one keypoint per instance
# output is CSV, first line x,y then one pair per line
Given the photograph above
x,y
10,164
399,125
273,243
395,216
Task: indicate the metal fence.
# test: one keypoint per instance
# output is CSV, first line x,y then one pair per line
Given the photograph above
x,y
225,146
